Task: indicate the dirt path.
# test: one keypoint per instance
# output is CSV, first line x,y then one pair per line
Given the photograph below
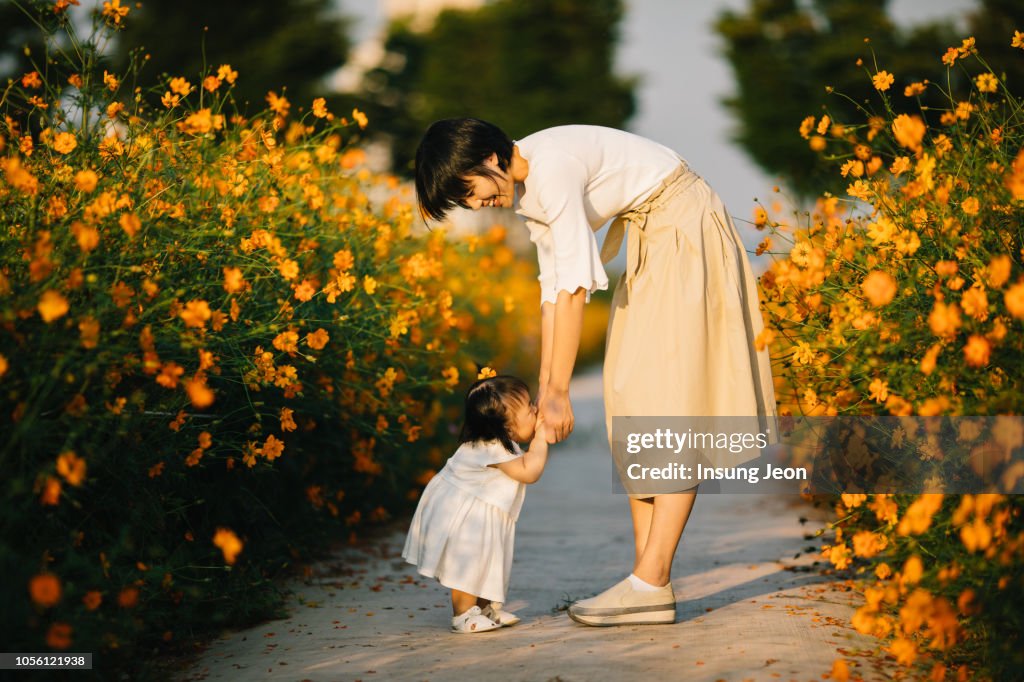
x,y
748,609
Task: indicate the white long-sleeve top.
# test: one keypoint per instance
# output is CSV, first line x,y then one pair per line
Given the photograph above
x,y
579,178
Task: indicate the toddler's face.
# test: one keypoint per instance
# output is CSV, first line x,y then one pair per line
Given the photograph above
x,y
524,421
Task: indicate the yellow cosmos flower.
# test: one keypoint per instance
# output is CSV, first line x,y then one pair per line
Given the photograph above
x,y
64,143
45,589
486,373
234,281
180,86
451,376
977,351
287,420
52,305
909,131
883,80
226,73
879,391
1018,40
113,11
86,180
879,287
228,543
987,82
320,107
318,339
196,313
369,285
915,89
71,468
360,118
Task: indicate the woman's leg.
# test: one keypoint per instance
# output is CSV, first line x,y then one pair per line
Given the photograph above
x,y
658,524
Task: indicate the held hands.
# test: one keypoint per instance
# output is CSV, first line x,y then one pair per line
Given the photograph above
x,y
556,411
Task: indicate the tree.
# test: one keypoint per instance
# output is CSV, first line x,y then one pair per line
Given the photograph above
x,y
521,64
273,45
791,60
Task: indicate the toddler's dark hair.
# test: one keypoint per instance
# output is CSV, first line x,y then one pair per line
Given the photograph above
x,y
450,150
489,405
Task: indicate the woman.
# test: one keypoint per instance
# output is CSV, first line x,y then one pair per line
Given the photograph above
x,y
684,313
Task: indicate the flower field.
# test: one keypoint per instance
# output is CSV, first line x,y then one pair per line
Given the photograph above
x,y
224,345
907,298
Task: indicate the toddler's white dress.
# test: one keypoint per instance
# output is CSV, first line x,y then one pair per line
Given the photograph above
x,y
464,527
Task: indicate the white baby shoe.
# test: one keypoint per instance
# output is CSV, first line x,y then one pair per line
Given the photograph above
x,y
503,618
473,621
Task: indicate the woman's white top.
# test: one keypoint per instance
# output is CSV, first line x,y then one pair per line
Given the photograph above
x,y
579,178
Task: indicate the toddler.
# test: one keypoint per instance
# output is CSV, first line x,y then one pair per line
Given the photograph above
x,y
463,530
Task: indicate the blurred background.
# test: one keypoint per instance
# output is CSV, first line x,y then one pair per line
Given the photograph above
x,y
723,82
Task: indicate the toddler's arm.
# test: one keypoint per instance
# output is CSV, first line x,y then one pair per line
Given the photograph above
x,y
529,467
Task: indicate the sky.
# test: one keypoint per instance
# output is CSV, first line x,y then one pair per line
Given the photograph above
x,y
672,46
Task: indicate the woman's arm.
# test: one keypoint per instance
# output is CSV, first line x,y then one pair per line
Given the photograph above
x,y
566,327
529,467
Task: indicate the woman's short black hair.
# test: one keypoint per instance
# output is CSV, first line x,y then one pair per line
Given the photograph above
x,y
450,150
490,405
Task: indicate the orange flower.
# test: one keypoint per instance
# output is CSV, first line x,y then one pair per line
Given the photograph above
x,y
130,223
64,143
944,320
867,544
486,373
199,393
58,636
113,11
883,80
234,282
272,448
287,342
128,598
1014,300
86,180
840,671
360,118
226,73
918,516
879,287
71,467
45,589
229,544
52,306
998,271
304,290
279,105
88,237
929,359
451,376
196,313
909,131
318,339
92,600
287,421
977,351
51,492
320,107
369,285
180,86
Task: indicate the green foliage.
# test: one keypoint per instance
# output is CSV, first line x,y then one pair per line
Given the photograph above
x,y
284,43
788,57
521,64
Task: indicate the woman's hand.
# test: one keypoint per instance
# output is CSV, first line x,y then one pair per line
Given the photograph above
x,y
556,410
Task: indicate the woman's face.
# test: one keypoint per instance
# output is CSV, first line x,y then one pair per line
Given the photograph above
x,y
490,192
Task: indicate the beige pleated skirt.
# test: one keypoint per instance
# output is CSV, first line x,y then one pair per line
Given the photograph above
x,y
685,315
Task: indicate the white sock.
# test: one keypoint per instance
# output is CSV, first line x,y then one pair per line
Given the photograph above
x,y
641,586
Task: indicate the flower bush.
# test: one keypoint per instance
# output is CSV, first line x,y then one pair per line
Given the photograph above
x,y
223,345
907,298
